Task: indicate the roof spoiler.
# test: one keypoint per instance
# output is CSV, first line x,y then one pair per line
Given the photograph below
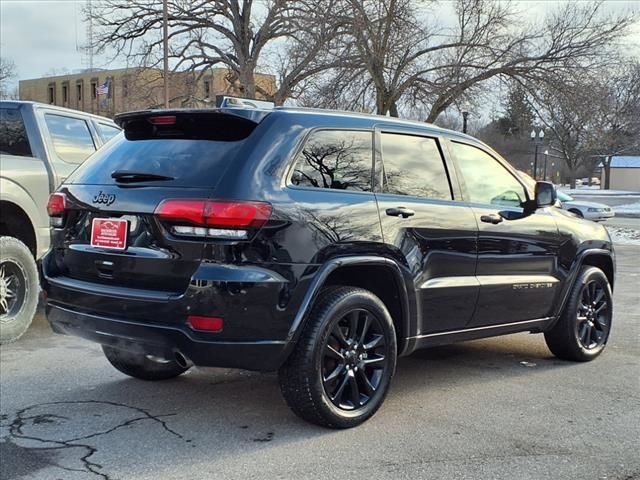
x,y
227,124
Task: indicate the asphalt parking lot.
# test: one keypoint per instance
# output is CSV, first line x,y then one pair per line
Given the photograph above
x,y
502,408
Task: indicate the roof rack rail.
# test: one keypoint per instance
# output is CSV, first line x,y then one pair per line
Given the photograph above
x,y
224,101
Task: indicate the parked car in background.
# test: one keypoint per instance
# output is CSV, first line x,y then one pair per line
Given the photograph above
x,y
319,244
590,210
40,145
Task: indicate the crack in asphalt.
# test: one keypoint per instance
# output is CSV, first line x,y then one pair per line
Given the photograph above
x,y
20,421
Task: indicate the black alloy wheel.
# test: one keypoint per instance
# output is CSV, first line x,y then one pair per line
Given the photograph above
x,y
593,316
582,331
340,370
354,359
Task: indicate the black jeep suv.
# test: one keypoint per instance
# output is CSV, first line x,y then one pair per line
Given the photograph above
x,y
319,244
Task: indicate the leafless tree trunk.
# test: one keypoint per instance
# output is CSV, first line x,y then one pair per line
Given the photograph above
x,y
234,34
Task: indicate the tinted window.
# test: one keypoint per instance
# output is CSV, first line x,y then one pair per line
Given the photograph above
x,y
487,181
71,137
13,135
192,163
108,131
336,159
413,166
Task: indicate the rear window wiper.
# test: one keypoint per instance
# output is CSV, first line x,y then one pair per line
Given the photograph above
x,y
129,176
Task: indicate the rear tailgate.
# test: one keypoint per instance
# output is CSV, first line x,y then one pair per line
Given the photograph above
x,y
176,156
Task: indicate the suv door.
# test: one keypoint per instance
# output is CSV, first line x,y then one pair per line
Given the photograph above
x,y
517,253
70,140
427,227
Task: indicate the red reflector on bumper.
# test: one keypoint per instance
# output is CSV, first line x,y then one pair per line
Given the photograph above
x,y
208,324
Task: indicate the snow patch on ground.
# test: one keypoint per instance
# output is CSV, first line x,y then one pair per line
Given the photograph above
x,y
596,191
627,209
624,236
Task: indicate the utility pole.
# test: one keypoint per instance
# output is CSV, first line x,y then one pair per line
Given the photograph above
x,y
165,43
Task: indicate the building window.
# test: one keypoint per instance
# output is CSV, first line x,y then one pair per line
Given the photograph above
x,y
65,94
94,89
52,93
125,87
207,89
79,93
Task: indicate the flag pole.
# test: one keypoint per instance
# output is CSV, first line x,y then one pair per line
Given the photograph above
x,y
165,43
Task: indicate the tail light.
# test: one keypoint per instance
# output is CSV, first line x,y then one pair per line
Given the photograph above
x,y
55,208
231,220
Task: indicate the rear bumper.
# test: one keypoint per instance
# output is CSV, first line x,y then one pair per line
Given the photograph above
x,y
165,341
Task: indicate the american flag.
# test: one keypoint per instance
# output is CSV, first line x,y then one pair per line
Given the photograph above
x,y
103,89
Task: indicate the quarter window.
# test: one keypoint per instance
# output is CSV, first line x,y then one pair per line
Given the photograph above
x,y
13,135
413,166
108,131
71,137
335,159
486,180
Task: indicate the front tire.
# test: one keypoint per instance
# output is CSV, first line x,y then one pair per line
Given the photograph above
x,y
19,289
582,331
139,365
340,370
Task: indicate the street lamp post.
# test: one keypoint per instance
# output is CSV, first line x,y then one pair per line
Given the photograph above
x,y
165,53
465,117
544,174
537,139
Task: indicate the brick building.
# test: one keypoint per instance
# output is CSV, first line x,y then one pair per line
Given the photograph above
x,y
107,92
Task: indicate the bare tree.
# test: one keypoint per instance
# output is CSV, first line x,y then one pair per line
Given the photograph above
x,y
7,73
234,34
400,53
616,127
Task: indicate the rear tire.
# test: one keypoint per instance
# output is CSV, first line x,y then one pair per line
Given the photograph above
x,y
582,331
138,365
340,370
19,289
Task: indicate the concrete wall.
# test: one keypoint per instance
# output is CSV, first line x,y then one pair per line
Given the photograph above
x,y
134,89
624,179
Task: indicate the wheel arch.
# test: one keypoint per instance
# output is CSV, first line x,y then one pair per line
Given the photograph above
x,y
596,257
370,273
15,222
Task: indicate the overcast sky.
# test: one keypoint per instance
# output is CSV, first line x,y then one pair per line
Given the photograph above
x,y
43,36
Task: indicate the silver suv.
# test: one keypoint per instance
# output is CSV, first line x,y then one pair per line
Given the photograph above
x,y
40,145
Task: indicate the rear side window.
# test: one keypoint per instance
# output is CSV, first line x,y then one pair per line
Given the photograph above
x,y
108,131
335,159
71,137
413,166
13,135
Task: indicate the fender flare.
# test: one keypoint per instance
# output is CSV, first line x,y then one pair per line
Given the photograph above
x,y
330,266
573,276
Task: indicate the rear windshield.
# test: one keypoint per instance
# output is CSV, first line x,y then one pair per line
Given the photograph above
x,y
191,163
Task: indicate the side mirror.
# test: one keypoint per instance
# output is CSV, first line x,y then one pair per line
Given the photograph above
x,y
545,194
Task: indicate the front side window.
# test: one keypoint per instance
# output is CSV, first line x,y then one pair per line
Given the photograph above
x,y
13,134
71,137
413,166
335,159
486,180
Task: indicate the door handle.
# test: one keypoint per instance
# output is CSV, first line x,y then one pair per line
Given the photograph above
x,y
494,218
400,212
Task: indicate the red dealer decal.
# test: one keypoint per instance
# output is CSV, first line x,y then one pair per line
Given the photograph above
x,y
109,233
